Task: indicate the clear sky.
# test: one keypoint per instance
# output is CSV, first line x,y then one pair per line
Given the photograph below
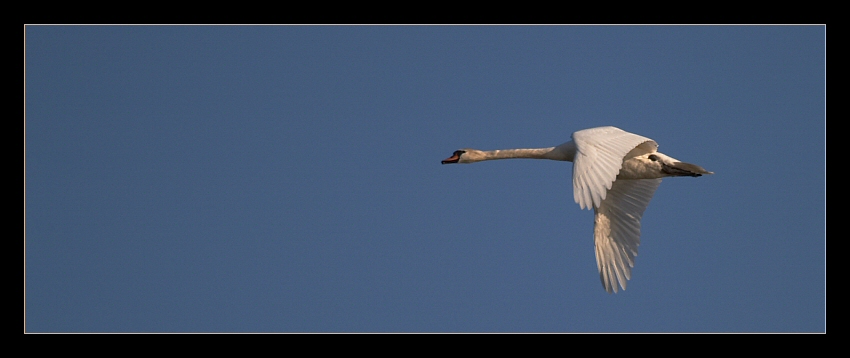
x,y
288,178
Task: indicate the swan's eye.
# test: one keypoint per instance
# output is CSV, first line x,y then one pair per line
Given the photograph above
x,y
653,157
455,158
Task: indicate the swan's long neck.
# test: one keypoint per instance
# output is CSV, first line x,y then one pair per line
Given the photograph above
x,y
564,151
536,153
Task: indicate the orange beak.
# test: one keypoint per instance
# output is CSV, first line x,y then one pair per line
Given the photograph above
x,y
453,159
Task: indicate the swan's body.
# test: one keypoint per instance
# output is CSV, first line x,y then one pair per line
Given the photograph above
x,y
615,173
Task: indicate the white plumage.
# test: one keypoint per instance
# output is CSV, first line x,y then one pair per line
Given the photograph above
x,y
615,173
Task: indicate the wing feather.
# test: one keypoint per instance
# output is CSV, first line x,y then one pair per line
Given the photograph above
x,y
617,229
599,157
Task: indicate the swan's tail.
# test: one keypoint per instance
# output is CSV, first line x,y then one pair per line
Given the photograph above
x,y
678,169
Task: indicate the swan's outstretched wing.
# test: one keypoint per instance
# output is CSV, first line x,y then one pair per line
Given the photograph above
x,y
598,159
617,229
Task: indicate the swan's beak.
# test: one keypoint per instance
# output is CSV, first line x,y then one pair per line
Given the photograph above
x,y
453,159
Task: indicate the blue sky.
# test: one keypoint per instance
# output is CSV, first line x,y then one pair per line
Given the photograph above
x,y
288,178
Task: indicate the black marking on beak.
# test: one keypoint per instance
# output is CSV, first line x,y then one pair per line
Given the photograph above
x,y
454,158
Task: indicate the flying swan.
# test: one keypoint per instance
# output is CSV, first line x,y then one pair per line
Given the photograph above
x,y
615,173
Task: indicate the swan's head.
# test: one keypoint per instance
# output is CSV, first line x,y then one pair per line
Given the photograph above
x,y
464,156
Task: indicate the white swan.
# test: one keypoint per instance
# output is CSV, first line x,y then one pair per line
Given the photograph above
x,y
616,173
